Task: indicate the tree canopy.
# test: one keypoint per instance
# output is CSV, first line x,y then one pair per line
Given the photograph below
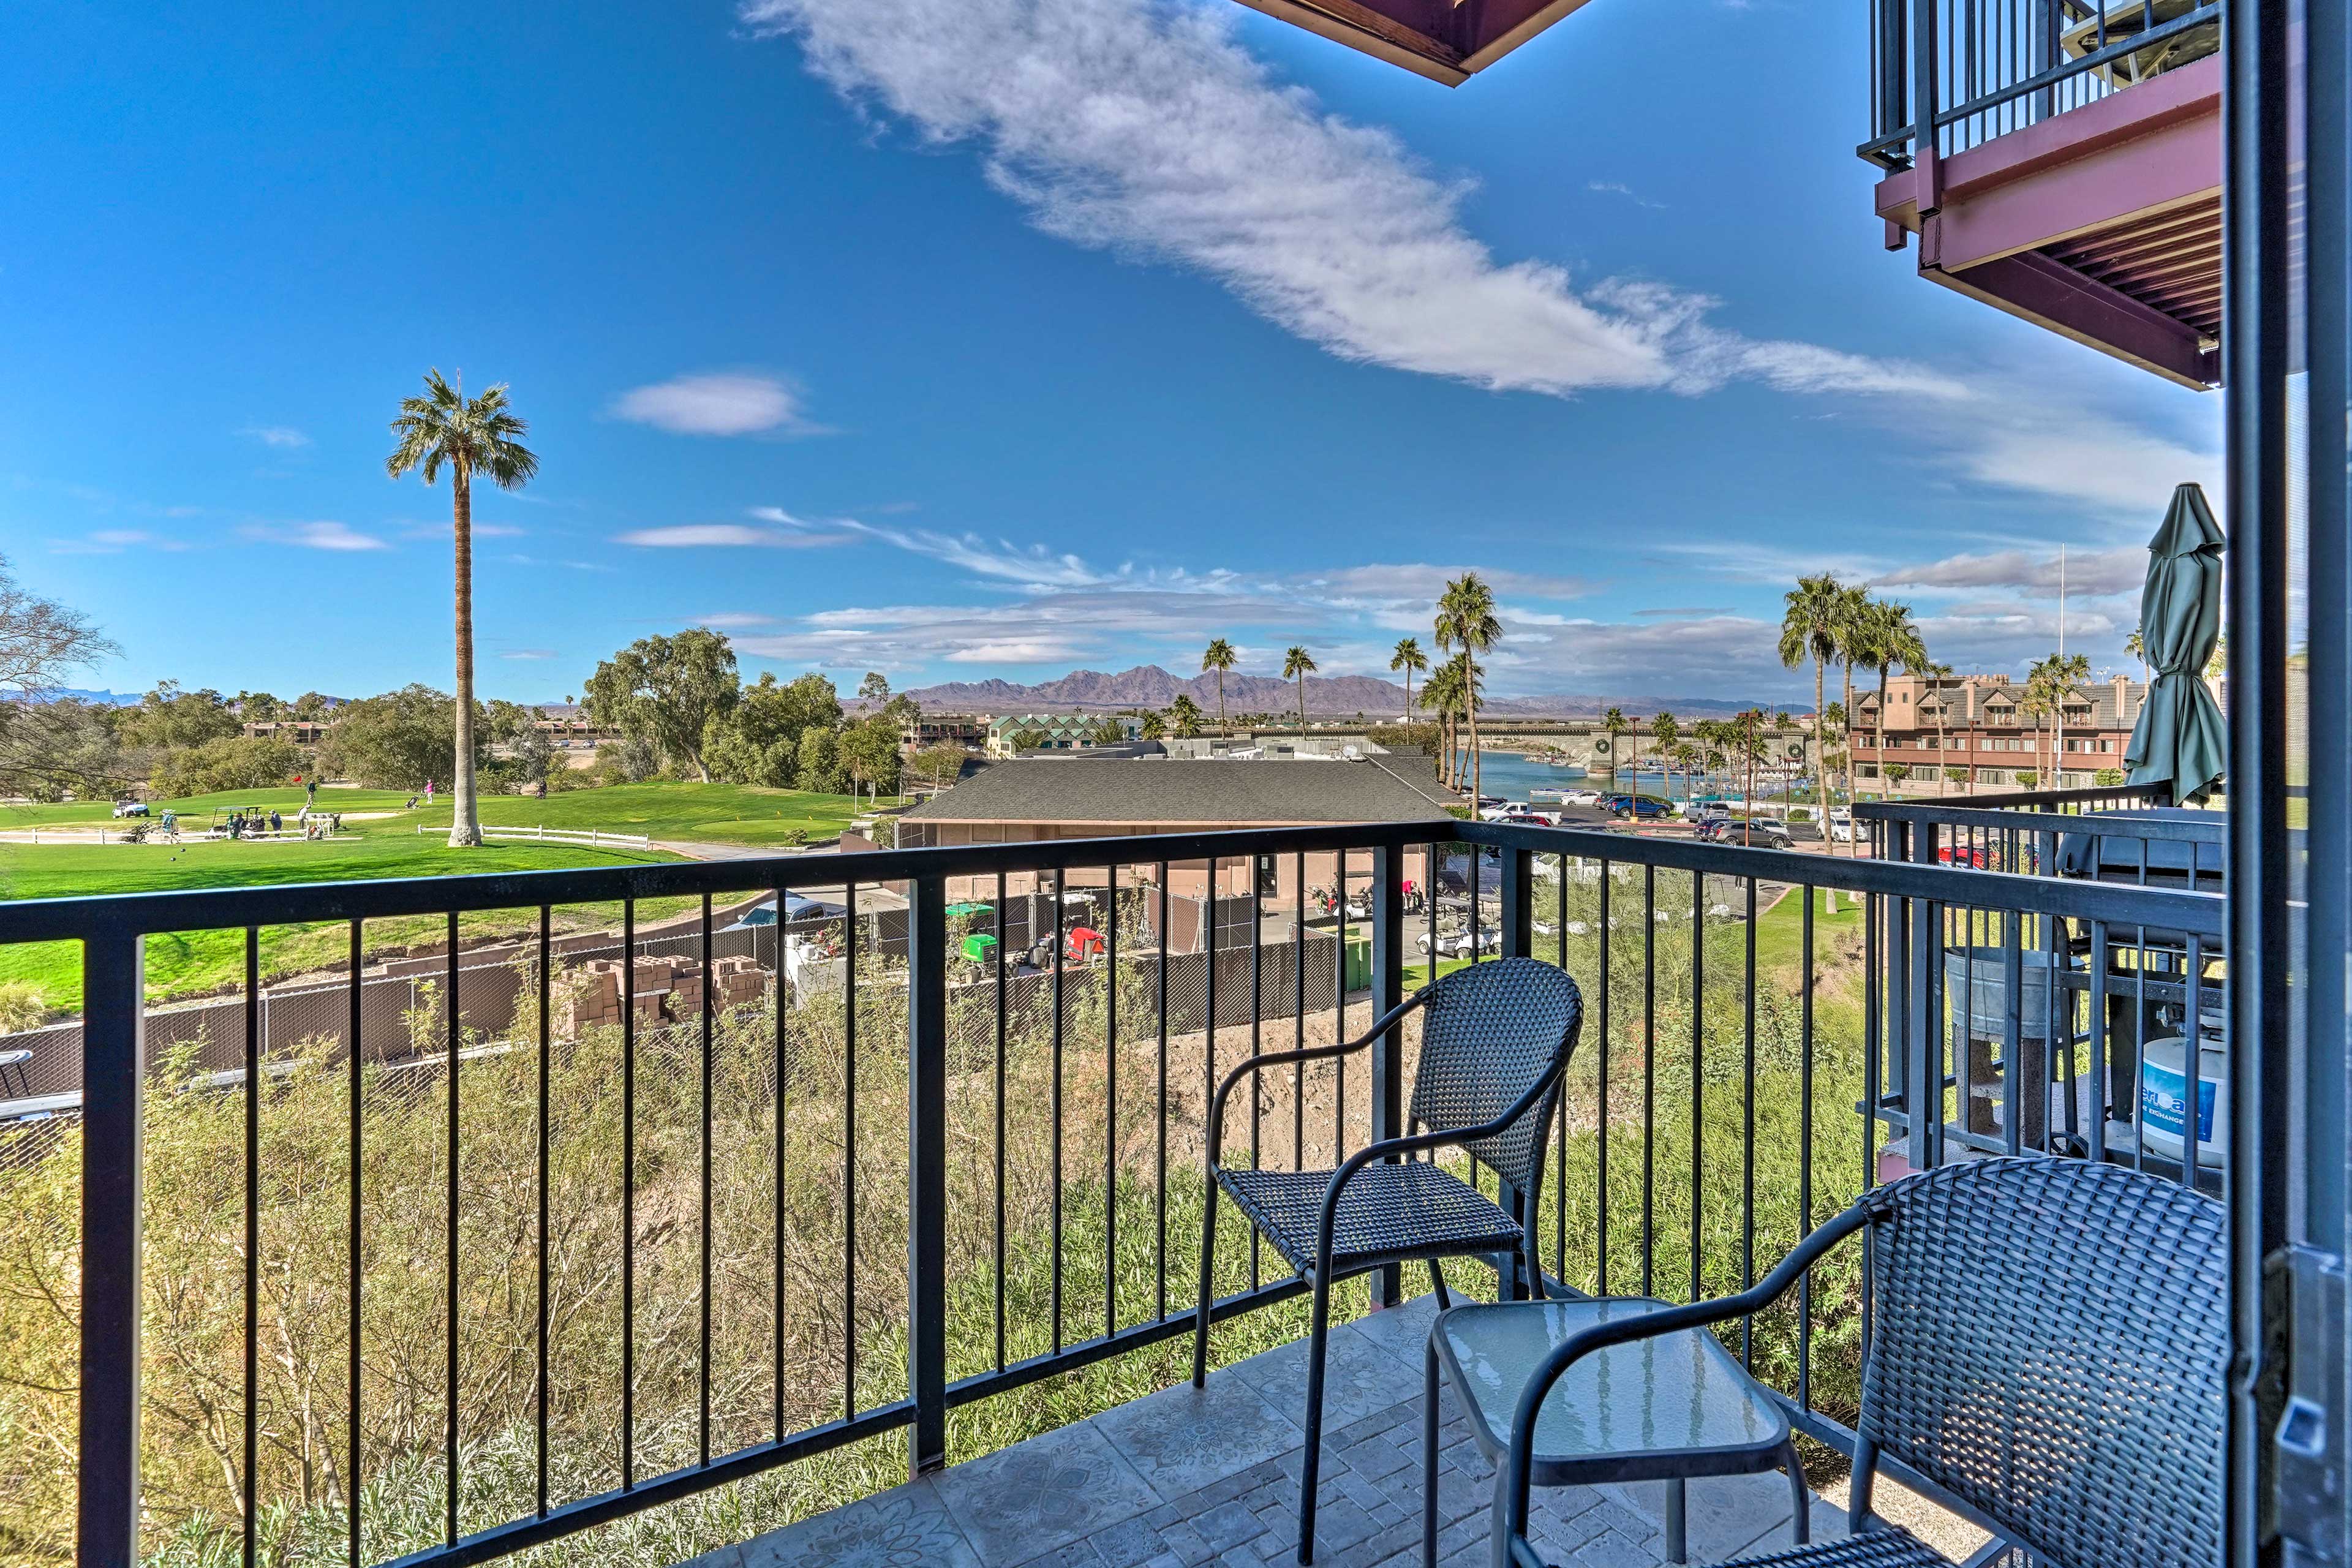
x,y
665,691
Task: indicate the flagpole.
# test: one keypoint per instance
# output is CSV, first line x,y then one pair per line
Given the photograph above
x,y
2062,604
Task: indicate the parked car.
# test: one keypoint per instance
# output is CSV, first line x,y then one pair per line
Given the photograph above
x,y
130,808
1528,819
1641,808
1969,856
1840,825
1580,798
1805,832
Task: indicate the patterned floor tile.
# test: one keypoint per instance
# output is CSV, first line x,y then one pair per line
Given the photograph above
x,y
1036,1496
905,1527
1182,1439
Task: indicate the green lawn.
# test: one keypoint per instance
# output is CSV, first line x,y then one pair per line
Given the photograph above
x,y
202,961
1781,930
201,806
717,813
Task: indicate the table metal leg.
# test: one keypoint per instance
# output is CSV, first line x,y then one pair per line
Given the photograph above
x,y
1800,1501
1677,1543
1429,1453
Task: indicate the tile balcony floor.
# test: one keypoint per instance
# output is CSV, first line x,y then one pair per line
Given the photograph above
x,y
1181,1478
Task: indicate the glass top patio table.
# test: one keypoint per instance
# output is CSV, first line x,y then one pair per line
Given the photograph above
x,y
1654,1409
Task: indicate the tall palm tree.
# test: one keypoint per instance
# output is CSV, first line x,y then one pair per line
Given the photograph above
x,y
1851,638
445,428
1899,642
2065,672
1297,665
1665,730
1184,716
1408,657
1810,630
1219,657
1466,619
2136,646
1612,724
1937,675
1442,695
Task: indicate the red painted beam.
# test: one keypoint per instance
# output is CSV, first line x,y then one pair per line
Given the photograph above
x,y
1444,40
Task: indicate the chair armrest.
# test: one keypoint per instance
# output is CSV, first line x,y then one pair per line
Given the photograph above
x,y
1519,1464
1381,1026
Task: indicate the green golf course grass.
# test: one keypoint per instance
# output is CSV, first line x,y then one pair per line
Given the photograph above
x,y
202,961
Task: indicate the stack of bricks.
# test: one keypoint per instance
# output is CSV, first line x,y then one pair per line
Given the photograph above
x,y
669,988
739,980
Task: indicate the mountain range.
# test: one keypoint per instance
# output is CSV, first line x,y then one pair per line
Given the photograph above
x,y
1149,686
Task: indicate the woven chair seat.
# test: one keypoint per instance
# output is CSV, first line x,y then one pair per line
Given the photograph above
x,y
1386,1212
1889,1546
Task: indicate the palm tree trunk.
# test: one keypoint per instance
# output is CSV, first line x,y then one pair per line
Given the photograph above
x,y
1854,847
1221,730
464,823
1302,705
1470,706
1885,787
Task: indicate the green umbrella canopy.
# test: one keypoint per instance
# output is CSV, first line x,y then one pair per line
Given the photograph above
x,y
2179,747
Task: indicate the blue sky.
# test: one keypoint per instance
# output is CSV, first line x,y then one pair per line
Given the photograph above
x,y
961,337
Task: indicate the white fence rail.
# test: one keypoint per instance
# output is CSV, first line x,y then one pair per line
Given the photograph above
x,y
596,838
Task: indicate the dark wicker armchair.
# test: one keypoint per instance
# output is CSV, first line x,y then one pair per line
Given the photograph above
x,y
2049,1342
1493,1045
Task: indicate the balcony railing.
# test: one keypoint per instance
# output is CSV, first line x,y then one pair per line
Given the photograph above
x,y
1975,69
523,1256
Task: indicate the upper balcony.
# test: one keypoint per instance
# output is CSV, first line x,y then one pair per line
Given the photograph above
x,y
687,1226
2071,170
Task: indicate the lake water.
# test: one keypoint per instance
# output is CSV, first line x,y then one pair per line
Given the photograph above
x,y
1511,776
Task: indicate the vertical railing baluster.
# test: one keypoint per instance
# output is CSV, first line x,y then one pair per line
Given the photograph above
x,y
628,1194
354,1469
449,1421
1257,1042
1805,1144
2012,1050
1388,1048
926,1173
1747,1138
1340,1018
709,1019
1698,1079
1159,1153
546,1064
1026,930
1298,1013
850,1149
783,1109
248,1490
1649,1072
1601,1099
1110,1105
1514,898
1053,1097
1559,1111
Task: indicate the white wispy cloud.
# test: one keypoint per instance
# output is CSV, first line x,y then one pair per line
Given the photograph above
x,y
110,541
313,536
1141,128
2082,571
529,653
1618,188
723,535
716,404
285,437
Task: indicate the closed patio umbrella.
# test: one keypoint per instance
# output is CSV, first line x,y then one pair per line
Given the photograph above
x,y
2179,749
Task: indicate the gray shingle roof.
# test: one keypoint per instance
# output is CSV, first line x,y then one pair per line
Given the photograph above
x,y
1113,790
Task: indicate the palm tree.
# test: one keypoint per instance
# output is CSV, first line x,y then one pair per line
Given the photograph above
x,y
1219,657
1297,665
2064,674
1184,716
1439,695
445,428
1893,638
1467,618
1665,730
1853,631
1154,727
1811,629
1936,674
1612,724
1408,657
2136,646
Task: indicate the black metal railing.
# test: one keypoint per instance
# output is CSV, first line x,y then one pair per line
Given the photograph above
x,y
2086,1000
539,1255
1976,69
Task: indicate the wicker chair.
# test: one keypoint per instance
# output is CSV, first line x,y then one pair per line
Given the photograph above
x,y
1493,1045
2049,1340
